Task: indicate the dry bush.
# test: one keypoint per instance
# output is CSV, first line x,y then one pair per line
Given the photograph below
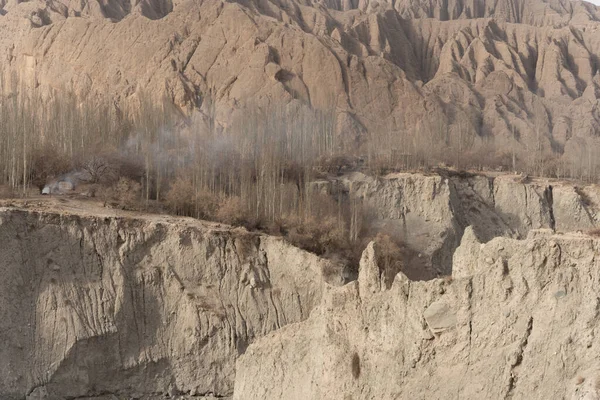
x,y
336,163
232,211
380,166
127,166
181,197
554,167
99,168
322,236
206,204
125,194
184,199
391,256
107,167
90,190
6,192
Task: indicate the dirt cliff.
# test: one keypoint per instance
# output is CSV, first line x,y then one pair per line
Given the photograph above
x,y
519,321
93,305
96,302
430,213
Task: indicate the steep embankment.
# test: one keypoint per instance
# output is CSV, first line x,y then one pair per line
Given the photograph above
x,y
131,306
430,213
95,302
517,320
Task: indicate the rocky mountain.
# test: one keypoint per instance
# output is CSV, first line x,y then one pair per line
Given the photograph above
x,y
523,72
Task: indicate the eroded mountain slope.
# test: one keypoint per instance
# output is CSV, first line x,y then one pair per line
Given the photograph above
x,y
527,77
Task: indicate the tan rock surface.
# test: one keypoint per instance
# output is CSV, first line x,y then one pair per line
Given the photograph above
x,y
98,302
131,306
522,325
430,213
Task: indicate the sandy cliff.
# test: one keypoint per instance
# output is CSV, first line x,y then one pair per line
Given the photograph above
x,y
98,303
430,213
518,321
125,306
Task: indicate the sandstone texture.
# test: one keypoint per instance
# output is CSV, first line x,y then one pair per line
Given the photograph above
x,y
93,305
522,324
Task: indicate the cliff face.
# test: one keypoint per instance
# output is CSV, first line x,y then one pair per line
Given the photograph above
x,y
94,305
518,321
430,213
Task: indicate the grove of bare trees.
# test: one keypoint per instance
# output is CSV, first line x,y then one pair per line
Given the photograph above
x,y
261,170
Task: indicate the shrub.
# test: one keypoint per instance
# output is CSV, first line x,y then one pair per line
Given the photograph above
x,y
47,163
6,192
125,194
391,256
320,236
129,166
336,163
232,211
183,199
99,168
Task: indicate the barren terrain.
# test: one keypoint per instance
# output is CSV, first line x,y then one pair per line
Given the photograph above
x,y
99,302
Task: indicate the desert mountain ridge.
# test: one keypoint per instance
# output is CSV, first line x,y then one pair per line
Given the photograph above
x,y
523,74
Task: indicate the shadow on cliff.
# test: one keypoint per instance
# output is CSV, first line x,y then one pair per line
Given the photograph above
x,y
98,349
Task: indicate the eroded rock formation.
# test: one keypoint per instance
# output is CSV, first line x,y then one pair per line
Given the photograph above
x,y
138,306
523,72
497,299
519,320
430,213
